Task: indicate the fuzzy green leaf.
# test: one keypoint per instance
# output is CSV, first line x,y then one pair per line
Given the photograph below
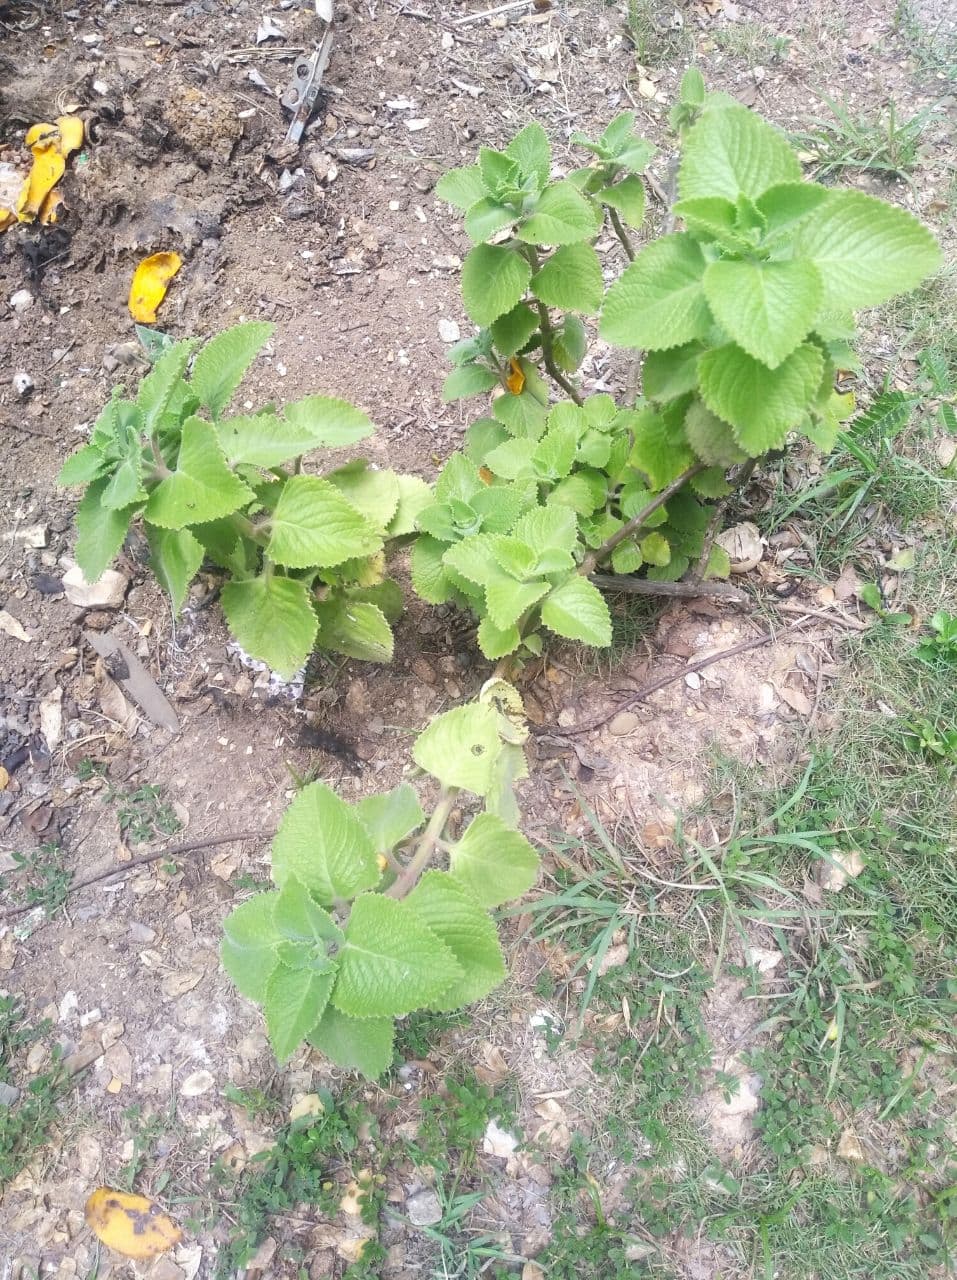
x,y
866,250
459,747
545,528
329,423
452,913
569,344
87,464
494,277
576,610
507,599
293,1003
313,524
428,574
734,152
561,216
486,217
768,308
414,495
511,331
495,642
202,487
219,367
317,422
249,944
711,438
322,842
298,919
521,415
658,302
391,962
373,491
667,374
627,197
571,279
493,861
584,491
788,203
468,380
531,152
355,1044
462,187
355,628
761,404
655,549
660,449
157,388
391,816
100,531
273,620
175,558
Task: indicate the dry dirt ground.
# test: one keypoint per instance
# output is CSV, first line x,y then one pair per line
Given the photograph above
x,y
345,248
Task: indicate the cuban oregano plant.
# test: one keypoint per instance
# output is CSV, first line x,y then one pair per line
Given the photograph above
x,y
379,909
740,319
303,555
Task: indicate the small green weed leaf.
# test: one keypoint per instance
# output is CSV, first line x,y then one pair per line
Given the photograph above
x,y
202,488
866,250
453,914
157,388
493,861
734,152
671,373
391,962
391,816
507,599
494,277
273,620
531,152
357,629
462,187
219,367
249,944
658,301
322,842
373,492
660,450
175,558
101,530
355,1044
298,919
561,216
293,1003
761,404
626,558
313,524
468,380
87,464
511,331
495,642
627,197
577,610
486,217
570,279
459,747
711,438
768,308
719,563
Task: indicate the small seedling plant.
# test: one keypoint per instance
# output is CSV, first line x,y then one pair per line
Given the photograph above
x,y
303,555
741,318
364,925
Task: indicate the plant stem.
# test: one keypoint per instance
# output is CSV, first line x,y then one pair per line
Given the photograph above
x,y
594,558
425,850
741,477
161,467
622,234
548,338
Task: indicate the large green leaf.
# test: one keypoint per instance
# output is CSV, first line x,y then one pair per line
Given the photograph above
x,y
391,816
355,628
576,610
547,528
671,373
486,217
202,488
462,187
761,404
322,842
249,944
454,915
493,861
627,197
158,387
219,367
570,279
507,599
298,919
494,277
293,1003
391,963
734,152
866,250
355,1044
511,331
660,449
266,440
531,152
273,619
313,524
468,380
495,642
328,422
175,558
100,530
88,463
768,308
374,492
659,301
427,570
561,216
711,438
459,747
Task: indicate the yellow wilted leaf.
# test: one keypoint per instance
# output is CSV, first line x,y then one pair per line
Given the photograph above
x,y
48,210
4,777
150,281
515,378
130,1224
7,218
47,170
71,134
40,135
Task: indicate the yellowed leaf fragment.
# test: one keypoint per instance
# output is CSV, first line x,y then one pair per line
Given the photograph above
x,y
47,170
150,282
131,1225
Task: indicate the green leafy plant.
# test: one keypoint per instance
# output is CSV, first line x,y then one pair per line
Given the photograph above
x,y
303,554
942,645
742,317
361,928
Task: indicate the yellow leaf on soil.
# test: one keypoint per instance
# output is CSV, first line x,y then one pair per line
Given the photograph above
x,y
4,777
48,167
71,134
150,281
40,135
48,210
132,1225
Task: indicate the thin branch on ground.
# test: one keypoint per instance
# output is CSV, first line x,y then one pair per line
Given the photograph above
x,y
594,558
688,590
741,477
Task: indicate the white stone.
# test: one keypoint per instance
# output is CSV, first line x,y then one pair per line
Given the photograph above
x,y
108,592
